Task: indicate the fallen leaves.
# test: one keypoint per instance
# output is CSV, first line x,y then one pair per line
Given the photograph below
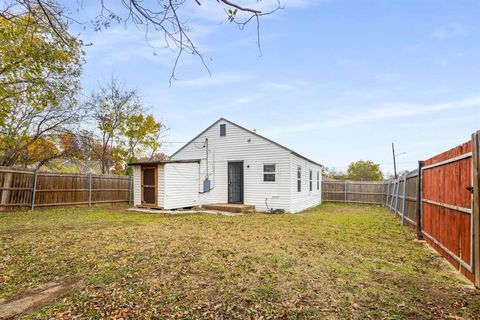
x,y
331,262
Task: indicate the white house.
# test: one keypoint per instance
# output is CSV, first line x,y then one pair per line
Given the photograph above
x,y
227,163
238,165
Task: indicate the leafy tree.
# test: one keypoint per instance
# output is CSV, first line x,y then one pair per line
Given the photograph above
x,y
332,173
37,67
112,106
364,171
39,79
141,134
48,148
165,17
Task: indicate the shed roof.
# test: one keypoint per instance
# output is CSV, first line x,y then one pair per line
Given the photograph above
x,y
162,162
252,132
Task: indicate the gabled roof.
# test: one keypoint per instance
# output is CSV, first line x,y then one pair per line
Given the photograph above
x,y
252,132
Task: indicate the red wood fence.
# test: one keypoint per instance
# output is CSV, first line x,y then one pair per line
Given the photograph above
x,y
441,200
447,219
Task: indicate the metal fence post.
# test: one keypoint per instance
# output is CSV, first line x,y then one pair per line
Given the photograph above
x,y
393,194
34,188
404,199
90,189
397,191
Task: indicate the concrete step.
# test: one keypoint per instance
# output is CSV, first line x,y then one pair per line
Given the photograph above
x,y
230,207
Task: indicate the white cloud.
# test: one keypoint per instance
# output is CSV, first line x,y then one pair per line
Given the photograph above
x,y
302,3
450,31
386,111
214,80
118,44
214,11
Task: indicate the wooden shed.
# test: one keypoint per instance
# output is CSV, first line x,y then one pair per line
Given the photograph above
x,y
166,184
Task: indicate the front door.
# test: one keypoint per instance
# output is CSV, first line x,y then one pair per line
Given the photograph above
x,y
235,182
149,186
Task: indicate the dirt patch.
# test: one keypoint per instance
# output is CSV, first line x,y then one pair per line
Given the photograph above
x,y
46,294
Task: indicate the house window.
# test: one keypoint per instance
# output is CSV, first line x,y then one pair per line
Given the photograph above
x,y
223,130
318,180
299,179
311,180
269,172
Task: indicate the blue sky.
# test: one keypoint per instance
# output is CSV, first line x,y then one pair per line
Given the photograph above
x,y
337,81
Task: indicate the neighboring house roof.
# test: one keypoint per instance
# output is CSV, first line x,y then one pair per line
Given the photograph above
x,y
252,132
162,162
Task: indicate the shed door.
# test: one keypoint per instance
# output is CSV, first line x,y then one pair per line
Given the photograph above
x,y
149,186
235,182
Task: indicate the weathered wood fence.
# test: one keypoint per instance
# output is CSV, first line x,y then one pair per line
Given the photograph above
x,y
441,200
401,197
23,188
369,192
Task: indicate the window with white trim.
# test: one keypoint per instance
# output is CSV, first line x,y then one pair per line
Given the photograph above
x,y
311,179
269,172
318,180
299,178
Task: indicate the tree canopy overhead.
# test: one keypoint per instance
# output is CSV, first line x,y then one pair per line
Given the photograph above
x,y
161,16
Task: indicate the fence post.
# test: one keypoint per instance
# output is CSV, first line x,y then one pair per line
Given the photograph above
x,y
476,206
90,189
7,184
34,188
404,199
393,195
419,201
345,193
396,197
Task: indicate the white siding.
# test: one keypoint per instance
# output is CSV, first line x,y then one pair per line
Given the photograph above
x,y
254,151
160,185
180,185
305,198
137,184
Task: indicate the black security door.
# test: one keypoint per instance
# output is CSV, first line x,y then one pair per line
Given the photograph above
x,y
235,182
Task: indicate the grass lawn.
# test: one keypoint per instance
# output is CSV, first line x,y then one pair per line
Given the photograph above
x,y
331,262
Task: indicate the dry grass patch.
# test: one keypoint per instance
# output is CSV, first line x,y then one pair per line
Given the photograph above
x,y
334,261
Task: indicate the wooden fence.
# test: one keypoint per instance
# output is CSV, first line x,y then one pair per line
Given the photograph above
x,y
369,192
401,197
447,219
22,188
441,199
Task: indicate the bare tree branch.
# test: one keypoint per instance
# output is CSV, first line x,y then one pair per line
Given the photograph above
x,y
161,16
